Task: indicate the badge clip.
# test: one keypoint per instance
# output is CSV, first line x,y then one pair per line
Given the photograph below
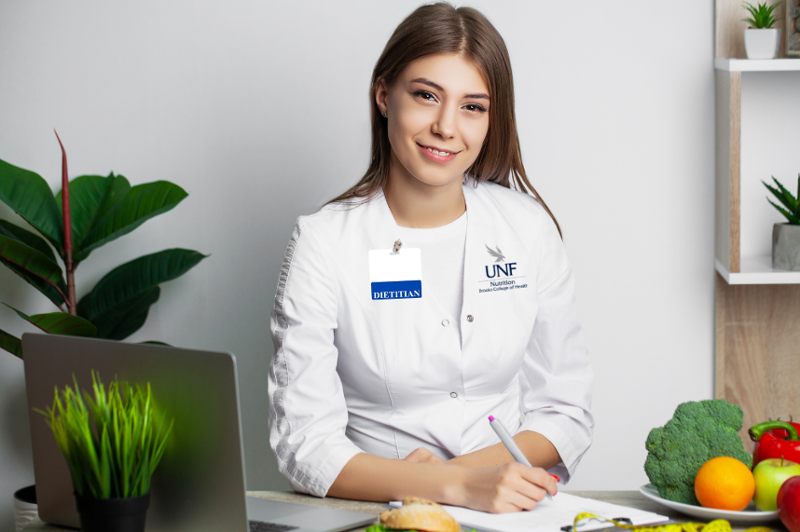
x,y
397,246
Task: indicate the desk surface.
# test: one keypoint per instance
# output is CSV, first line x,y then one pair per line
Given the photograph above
x,y
624,498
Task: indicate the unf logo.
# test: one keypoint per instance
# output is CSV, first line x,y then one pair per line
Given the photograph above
x,y
505,270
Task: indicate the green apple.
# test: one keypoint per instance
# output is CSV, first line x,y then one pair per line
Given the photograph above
x,y
769,474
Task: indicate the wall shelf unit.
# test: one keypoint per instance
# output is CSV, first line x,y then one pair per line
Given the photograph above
x,y
729,64
758,270
757,337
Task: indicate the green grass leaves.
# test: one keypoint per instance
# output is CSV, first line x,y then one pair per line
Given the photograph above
x,y
791,205
112,439
761,16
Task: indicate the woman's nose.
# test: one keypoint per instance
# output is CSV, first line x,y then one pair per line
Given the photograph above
x,y
445,124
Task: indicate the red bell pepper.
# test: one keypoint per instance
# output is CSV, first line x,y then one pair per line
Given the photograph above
x,y
775,439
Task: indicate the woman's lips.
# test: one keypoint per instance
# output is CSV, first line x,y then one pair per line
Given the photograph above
x,y
437,157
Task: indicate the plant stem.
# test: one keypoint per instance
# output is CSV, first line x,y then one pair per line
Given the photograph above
x,y
71,303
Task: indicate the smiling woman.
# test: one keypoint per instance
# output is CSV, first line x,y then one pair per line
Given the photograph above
x,y
432,294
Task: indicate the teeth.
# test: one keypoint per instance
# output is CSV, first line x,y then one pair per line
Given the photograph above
x,y
437,152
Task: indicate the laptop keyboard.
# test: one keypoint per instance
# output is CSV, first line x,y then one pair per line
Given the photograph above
x,y
261,526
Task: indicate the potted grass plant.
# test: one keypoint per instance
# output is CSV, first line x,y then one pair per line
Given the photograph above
x,y
761,40
786,236
89,212
113,440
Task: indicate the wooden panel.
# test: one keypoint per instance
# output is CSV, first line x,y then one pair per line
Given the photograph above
x,y
727,206
735,164
730,26
757,350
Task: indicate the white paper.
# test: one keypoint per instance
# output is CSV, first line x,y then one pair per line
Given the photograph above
x,y
549,516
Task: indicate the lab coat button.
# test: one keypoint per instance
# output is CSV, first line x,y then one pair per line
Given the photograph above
x,y
453,395
445,322
470,318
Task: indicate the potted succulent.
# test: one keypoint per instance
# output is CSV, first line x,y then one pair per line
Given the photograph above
x,y
113,442
89,212
786,236
761,40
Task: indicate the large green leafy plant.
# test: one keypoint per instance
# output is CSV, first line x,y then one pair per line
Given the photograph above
x,y
113,453
90,211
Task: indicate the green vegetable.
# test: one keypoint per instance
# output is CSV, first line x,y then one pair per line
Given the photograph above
x,y
697,432
378,527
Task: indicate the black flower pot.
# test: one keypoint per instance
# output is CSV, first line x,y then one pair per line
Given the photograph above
x,y
113,515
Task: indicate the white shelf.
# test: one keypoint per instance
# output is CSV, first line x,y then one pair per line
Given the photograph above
x,y
756,65
758,270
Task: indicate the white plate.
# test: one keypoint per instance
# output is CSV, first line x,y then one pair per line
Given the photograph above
x,y
749,515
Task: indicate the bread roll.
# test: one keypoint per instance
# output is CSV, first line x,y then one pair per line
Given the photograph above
x,y
420,514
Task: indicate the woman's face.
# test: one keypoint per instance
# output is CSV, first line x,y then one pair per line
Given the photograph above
x,y
438,117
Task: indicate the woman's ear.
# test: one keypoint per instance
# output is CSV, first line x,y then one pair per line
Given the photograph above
x,y
382,96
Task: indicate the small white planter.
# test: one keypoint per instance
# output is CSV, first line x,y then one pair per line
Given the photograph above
x,y
25,508
762,43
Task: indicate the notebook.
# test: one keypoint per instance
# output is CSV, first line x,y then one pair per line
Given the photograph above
x,y
551,516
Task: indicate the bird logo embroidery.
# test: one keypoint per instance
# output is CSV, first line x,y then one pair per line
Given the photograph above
x,y
496,253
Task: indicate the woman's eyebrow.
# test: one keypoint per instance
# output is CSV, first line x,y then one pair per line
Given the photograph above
x,y
438,87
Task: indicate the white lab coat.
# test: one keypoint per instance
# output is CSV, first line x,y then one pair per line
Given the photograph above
x,y
351,374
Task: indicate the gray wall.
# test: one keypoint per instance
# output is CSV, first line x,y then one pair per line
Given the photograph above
x,y
259,110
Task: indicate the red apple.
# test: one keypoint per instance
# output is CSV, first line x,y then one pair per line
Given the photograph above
x,y
789,503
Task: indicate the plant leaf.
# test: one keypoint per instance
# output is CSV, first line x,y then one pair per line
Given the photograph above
x,y
29,195
794,220
26,237
140,204
32,263
132,279
777,193
39,244
48,290
797,209
10,343
91,197
791,201
59,323
124,320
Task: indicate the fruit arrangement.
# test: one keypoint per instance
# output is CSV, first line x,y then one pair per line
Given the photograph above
x,y
698,458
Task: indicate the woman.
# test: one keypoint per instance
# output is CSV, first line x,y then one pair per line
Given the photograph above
x,y
430,296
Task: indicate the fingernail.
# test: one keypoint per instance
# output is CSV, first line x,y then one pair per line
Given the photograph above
x,y
555,477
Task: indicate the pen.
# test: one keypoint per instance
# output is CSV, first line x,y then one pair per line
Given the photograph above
x,y
512,447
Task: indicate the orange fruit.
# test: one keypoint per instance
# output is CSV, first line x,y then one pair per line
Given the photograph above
x,y
724,483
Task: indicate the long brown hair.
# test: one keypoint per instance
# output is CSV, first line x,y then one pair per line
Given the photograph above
x,y
443,29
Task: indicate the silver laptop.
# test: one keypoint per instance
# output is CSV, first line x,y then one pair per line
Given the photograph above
x,y
200,483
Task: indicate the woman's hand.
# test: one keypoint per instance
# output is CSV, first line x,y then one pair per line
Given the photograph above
x,y
507,487
422,455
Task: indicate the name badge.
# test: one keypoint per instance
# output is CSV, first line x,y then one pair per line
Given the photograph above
x,y
395,275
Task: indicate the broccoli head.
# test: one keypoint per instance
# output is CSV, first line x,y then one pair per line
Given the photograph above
x,y
697,432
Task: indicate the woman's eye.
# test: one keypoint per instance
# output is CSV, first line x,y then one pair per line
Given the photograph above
x,y
425,95
475,108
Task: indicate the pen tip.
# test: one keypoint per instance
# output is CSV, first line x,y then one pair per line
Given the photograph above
x,y
491,418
